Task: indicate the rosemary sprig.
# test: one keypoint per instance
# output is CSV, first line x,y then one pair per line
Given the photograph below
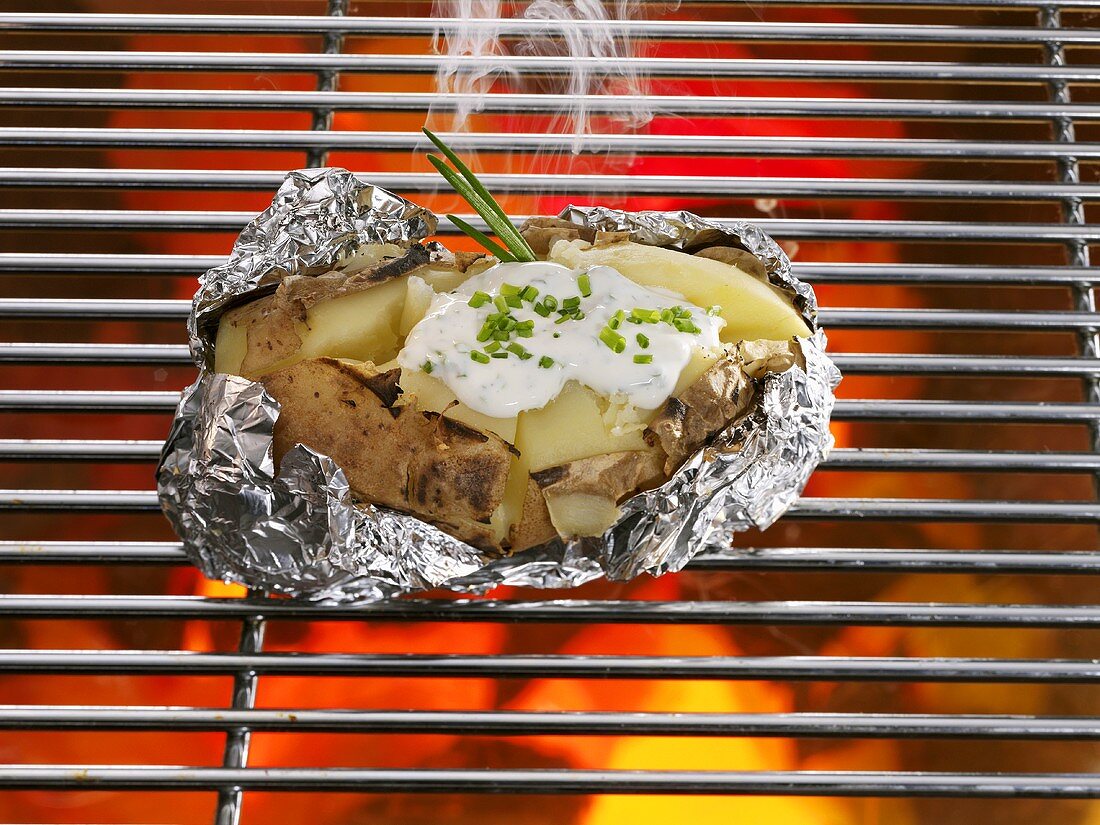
x,y
474,193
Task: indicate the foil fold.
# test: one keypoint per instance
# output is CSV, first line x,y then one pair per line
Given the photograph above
x,y
298,532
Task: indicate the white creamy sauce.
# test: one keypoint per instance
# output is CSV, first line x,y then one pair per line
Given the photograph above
x,y
504,387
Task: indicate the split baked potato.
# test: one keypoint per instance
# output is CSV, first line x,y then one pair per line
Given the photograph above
x,y
325,348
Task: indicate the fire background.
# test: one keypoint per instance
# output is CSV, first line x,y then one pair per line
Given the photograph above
x,y
914,643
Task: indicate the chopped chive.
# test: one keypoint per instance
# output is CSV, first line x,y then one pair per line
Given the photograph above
x,y
714,310
643,342
485,334
480,299
685,326
525,333
529,294
426,366
667,316
509,289
557,335
649,316
643,359
517,349
546,362
585,284
492,346
500,304
501,335
528,324
497,222
542,309
499,354
633,320
578,315
507,323
616,320
483,239
571,303
562,319
550,302
483,194
614,341
480,357
513,301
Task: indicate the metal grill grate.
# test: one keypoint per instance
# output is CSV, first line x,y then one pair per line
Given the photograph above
x,y
952,257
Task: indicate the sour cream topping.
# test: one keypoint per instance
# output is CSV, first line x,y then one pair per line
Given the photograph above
x,y
551,351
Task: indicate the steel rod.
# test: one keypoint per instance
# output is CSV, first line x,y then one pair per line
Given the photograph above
x,y
510,666
533,723
903,614
735,31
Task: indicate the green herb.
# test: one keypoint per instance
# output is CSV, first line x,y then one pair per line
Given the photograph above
x,y
508,289
501,304
643,359
529,294
648,316
571,303
483,239
667,316
525,333
614,341
500,354
685,326
585,285
643,342
492,346
520,350
514,301
480,357
578,316
714,310
501,335
616,320
542,310
480,299
474,193
426,366
550,302
546,362
557,335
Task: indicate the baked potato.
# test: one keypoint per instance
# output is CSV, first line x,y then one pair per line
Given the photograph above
x,y
336,351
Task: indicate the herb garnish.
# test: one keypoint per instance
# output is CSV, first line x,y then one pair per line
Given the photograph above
x,y
466,184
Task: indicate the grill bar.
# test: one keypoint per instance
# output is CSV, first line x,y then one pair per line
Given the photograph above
x,y
840,459
795,668
1018,73
854,363
760,559
652,144
372,780
870,409
818,508
836,317
514,103
736,31
935,231
504,723
190,265
614,612
587,184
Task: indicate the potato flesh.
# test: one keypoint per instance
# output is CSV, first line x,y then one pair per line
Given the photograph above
x,y
582,514
751,308
364,326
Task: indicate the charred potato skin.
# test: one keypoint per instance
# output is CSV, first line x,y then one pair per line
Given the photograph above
x,y
392,454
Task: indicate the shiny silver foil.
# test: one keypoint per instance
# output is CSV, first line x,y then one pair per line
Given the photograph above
x,y
298,532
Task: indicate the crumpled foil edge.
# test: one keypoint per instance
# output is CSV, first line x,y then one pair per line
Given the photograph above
x,y
298,532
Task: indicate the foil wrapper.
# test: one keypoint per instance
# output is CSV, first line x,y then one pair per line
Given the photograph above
x,y
298,532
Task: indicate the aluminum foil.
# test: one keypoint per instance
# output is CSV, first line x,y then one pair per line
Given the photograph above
x,y
298,532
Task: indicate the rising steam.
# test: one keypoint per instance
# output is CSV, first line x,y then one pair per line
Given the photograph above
x,y
575,29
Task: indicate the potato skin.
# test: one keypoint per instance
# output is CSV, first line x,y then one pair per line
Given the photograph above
x,y
690,419
392,454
